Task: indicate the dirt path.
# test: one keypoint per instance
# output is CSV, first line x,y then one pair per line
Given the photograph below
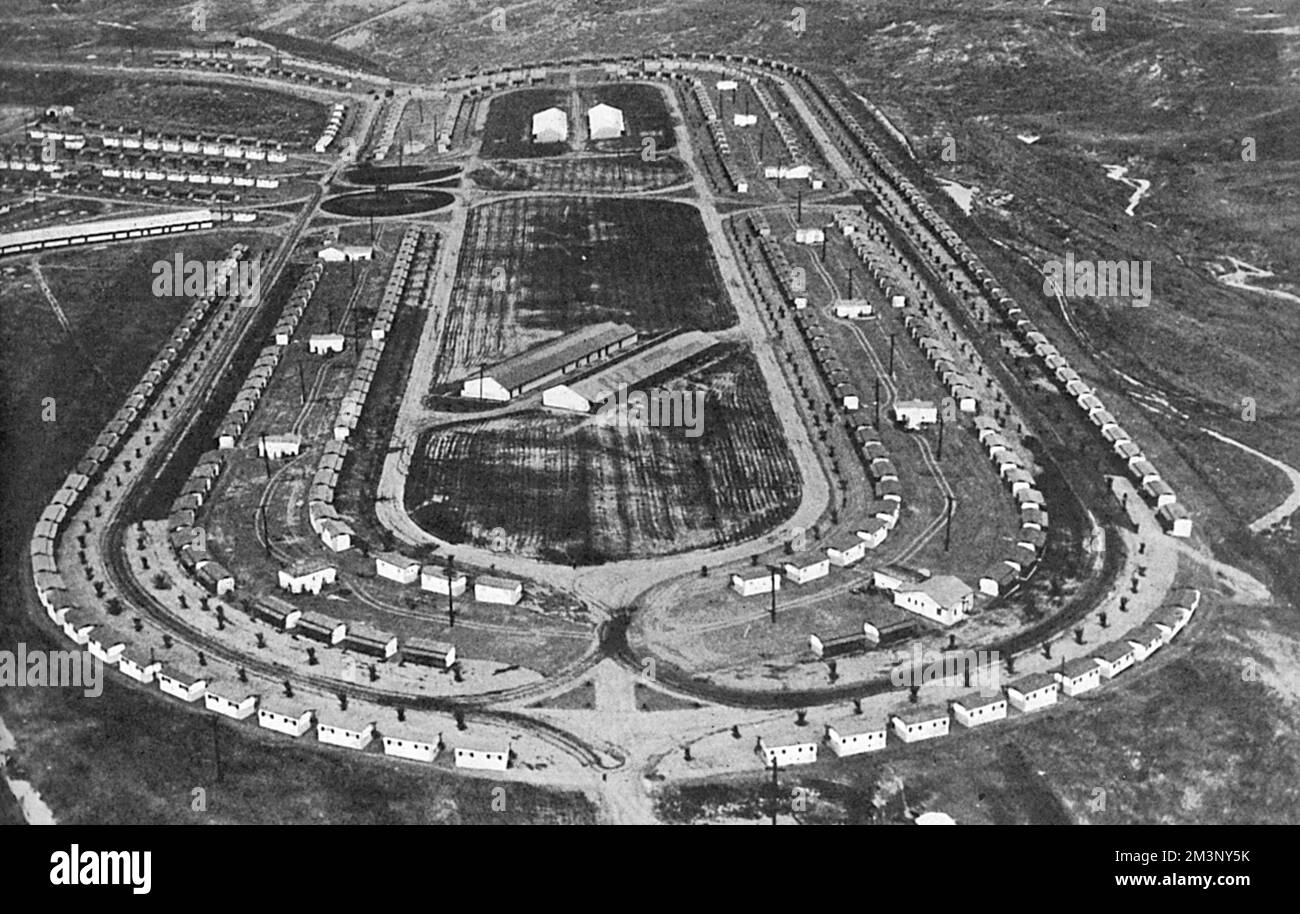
x,y
1292,502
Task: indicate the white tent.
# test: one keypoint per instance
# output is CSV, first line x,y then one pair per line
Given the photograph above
x,y
605,122
550,126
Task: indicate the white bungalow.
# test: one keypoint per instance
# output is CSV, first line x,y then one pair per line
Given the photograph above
x,y
853,736
275,447
913,414
1114,658
789,746
1079,676
404,741
1145,641
755,581
1171,620
336,728
436,579
482,759
397,567
336,535
943,598
806,568
498,590
973,710
307,576
340,253
320,627
180,681
853,308
916,724
873,532
138,664
284,715
230,703
324,343
1035,691
844,552
1175,519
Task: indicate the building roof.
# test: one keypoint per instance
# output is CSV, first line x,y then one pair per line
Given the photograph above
x,y
1113,651
1079,666
1145,634
540,361
319,621
855,724
503,583
1032,683
127,223
976,700
883,617
395,558
368,634
944,589
647,363
427,646
303,567
921,714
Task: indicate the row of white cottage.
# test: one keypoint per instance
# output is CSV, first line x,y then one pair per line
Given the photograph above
x,y
852,735
1172,515
334,531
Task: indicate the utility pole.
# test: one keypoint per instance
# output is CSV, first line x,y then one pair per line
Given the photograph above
x,y
939,457
891,355
302,385
877,402
850,279
947,529
772,570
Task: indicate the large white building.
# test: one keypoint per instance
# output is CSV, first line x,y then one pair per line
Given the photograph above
x,y
605,122
550,126
498,590
943,598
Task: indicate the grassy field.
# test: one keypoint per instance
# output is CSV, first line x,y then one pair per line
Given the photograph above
x,y
507,134
572,490
533,267
604,174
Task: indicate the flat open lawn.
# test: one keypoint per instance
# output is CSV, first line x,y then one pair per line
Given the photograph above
x,y
645,115
573,490
621,173
534,267
507,134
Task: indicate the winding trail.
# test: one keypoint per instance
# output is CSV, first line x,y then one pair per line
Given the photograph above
x,y
1292,502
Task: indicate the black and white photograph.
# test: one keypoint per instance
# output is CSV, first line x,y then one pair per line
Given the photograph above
x,y
594,412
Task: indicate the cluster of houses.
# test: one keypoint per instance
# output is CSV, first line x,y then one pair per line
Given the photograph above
x,y
117,137
447,581
254,64
731,171
259,377
51,589
1172,515
836,376
842,552
604,122
332,128
393,109
781,745
789,139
